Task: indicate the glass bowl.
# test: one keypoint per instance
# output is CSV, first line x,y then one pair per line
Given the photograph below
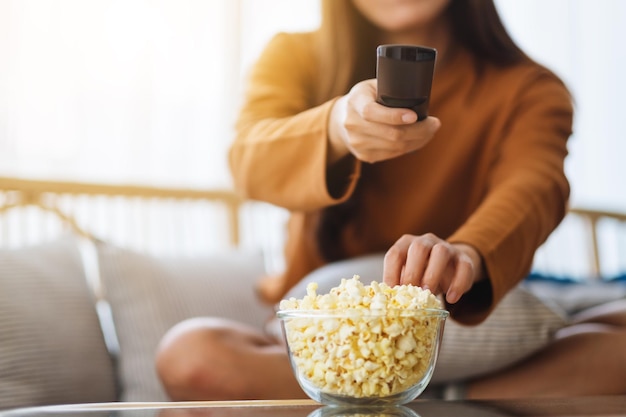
x,y
363,411
362,356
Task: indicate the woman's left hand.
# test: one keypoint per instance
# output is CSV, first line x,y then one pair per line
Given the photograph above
x,y
431,262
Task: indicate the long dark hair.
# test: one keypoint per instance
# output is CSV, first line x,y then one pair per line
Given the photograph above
x,y
346,41
477,26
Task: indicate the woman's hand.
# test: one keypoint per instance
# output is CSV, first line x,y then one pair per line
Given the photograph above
x,y
373,132
430,262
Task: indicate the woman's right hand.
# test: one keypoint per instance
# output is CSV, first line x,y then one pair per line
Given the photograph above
x,y
373,132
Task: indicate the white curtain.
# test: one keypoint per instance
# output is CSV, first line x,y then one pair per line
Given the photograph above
x,y
147,90
130,91
583,42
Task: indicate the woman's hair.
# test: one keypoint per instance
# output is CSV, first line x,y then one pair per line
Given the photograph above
x,y
347,54
347,41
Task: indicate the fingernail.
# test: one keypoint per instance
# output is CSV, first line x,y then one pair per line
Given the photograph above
x,y
408,117
451,297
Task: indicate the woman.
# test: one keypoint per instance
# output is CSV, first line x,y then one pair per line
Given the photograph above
x,y
459,202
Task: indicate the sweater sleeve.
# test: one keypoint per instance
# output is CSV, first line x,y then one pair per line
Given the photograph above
x,y
279,153
527,193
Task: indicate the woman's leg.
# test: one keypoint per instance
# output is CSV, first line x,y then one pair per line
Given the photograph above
x,y
587,358
218,359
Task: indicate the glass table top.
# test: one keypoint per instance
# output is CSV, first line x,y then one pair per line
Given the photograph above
x,y
604,406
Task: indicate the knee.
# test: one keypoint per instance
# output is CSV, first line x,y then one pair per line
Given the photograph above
x,y
186,358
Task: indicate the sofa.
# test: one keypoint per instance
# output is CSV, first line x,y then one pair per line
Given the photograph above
x,y
84,301
81,311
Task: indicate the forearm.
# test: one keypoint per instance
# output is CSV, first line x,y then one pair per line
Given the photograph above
x,y
337,148
283,161
526,192
506,230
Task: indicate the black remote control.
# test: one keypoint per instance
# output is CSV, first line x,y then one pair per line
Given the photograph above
x,y
405,76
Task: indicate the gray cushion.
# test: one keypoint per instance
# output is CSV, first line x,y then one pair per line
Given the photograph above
x,y
574,297
519,326
149,295
51,347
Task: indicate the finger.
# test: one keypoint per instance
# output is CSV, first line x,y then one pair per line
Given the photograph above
x,y
386,134
374,142
404,139
423,130
437,268
462,281
371,149
376,112
418,255
364,103
395,260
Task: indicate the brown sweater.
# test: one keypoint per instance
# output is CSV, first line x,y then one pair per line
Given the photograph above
x,y
492,177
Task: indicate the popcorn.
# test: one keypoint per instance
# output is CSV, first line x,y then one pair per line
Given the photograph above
x,y
363,340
